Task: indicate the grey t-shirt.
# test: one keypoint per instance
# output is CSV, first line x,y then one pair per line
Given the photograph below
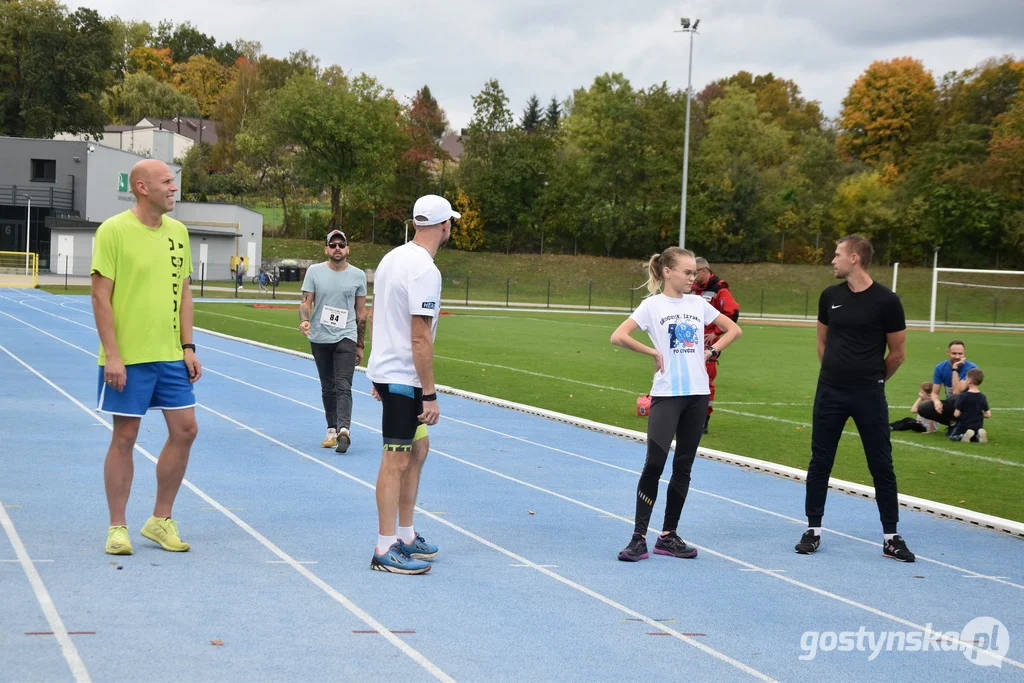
x,y
334,301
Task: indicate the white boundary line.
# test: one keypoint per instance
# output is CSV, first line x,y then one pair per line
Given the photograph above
x,y
911,502
357,611
60,632
351,606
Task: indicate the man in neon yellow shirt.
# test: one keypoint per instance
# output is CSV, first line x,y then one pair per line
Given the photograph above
x,y
141,263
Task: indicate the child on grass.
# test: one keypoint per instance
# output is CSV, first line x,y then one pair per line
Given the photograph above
x,y
971,410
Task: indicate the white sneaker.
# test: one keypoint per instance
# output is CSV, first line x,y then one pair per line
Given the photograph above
x,y
331,440
344,439
982,436
968,435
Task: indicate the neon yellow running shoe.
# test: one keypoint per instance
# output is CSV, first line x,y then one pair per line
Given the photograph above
x,y
164,532
118,542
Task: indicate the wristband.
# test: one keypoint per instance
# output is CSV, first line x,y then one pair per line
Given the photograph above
x,y
430,397
189,346
715,353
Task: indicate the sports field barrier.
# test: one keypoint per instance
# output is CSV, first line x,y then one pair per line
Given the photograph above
x,y
19,269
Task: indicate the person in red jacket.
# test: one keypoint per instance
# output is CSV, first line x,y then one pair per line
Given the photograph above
x,y
715,292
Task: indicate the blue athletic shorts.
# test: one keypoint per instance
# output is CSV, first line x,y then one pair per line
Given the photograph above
x,y
150,386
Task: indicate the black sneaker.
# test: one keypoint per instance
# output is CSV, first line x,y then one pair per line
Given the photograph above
x,y
671,544
635,551
897,549
809,543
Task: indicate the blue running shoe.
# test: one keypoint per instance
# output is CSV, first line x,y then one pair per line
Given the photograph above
x,y
397,561
419,548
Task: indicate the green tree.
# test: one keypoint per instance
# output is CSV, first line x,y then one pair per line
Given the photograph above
x,y
345,136
203,79
532,116
553,114
54,67
127,36
888,110
140,96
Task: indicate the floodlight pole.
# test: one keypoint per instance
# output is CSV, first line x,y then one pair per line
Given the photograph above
x,y
28,232
687,28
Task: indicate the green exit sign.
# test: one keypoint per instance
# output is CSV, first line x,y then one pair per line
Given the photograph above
x,y
122,182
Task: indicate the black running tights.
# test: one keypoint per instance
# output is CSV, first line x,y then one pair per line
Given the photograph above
x,y
683,417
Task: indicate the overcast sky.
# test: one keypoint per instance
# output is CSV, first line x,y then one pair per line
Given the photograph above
x,y
550,47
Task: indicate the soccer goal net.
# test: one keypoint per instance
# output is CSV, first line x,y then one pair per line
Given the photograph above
x,y
19,269
977,297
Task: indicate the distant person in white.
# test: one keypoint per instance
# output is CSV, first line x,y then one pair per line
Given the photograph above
x,y
407,302
675,322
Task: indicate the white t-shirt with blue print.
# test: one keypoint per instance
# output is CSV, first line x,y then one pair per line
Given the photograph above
x,y
676,327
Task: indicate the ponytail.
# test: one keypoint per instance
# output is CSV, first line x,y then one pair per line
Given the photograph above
x,y
657,265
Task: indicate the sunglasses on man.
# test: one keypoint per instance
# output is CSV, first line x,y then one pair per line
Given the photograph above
x,y
337,245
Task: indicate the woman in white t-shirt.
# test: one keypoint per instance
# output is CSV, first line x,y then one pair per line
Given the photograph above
x,y
675,322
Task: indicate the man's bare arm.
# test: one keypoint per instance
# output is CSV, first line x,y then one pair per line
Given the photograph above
x,y
361,316
102,291
897,342
822,336
423,352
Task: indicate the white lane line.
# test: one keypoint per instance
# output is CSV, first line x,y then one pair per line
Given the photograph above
x,y
508,553
362,615
30,560
975,576
60,632
792,520
298,561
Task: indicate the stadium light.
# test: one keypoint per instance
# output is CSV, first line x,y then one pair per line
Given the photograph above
x,y
686,28
28,231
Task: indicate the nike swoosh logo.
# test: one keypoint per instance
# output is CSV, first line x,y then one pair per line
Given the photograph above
x,y
839,306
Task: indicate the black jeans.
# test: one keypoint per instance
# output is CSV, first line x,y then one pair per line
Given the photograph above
x,y
683,417
927,410
336,363
833,406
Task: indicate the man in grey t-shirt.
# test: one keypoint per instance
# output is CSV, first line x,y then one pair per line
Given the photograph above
x,y
333,315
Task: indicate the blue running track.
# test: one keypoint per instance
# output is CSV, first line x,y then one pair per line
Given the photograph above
x,y
529,514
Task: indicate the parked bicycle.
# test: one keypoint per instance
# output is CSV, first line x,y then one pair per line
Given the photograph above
x,y
266,279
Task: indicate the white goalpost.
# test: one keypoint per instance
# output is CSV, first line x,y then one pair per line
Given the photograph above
x,y
936,282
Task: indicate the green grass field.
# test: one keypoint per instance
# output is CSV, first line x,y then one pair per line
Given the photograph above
x,y
765,388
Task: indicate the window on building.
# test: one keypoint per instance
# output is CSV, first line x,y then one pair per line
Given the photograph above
x,y
44,170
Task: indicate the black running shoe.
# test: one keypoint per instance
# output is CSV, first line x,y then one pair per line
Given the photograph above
x,y
635,551
897,549
671,544
809,543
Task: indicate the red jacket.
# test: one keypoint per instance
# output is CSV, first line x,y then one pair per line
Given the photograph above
x,y
716,292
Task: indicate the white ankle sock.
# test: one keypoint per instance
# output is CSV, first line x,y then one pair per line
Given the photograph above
x,y
384,542
407,534
888,537
816,530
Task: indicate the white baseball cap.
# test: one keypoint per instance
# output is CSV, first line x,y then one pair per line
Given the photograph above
x,y
431,209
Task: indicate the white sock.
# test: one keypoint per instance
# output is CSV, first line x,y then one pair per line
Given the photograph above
x,y
407,534
816,530
888,537
384,542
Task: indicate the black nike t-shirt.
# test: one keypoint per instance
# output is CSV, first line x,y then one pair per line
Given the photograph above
x,y
858,323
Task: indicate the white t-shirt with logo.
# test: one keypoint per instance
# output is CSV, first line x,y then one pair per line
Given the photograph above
x,y
676,327
407,283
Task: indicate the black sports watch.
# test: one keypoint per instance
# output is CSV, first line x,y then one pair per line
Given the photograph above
x,y
715,353
189,346
430,397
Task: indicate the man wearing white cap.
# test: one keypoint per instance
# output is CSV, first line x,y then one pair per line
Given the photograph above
x,y
407,302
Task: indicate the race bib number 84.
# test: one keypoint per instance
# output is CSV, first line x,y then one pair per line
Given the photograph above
x,y
334,317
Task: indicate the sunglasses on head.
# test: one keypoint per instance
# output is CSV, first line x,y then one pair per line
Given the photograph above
x,y
337,245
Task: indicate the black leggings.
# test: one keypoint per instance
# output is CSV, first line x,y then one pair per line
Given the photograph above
x,y
682,416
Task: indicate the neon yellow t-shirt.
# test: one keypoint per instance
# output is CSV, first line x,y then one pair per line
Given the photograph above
x,y
149,269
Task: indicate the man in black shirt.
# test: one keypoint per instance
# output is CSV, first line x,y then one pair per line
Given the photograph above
x,y
857,320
